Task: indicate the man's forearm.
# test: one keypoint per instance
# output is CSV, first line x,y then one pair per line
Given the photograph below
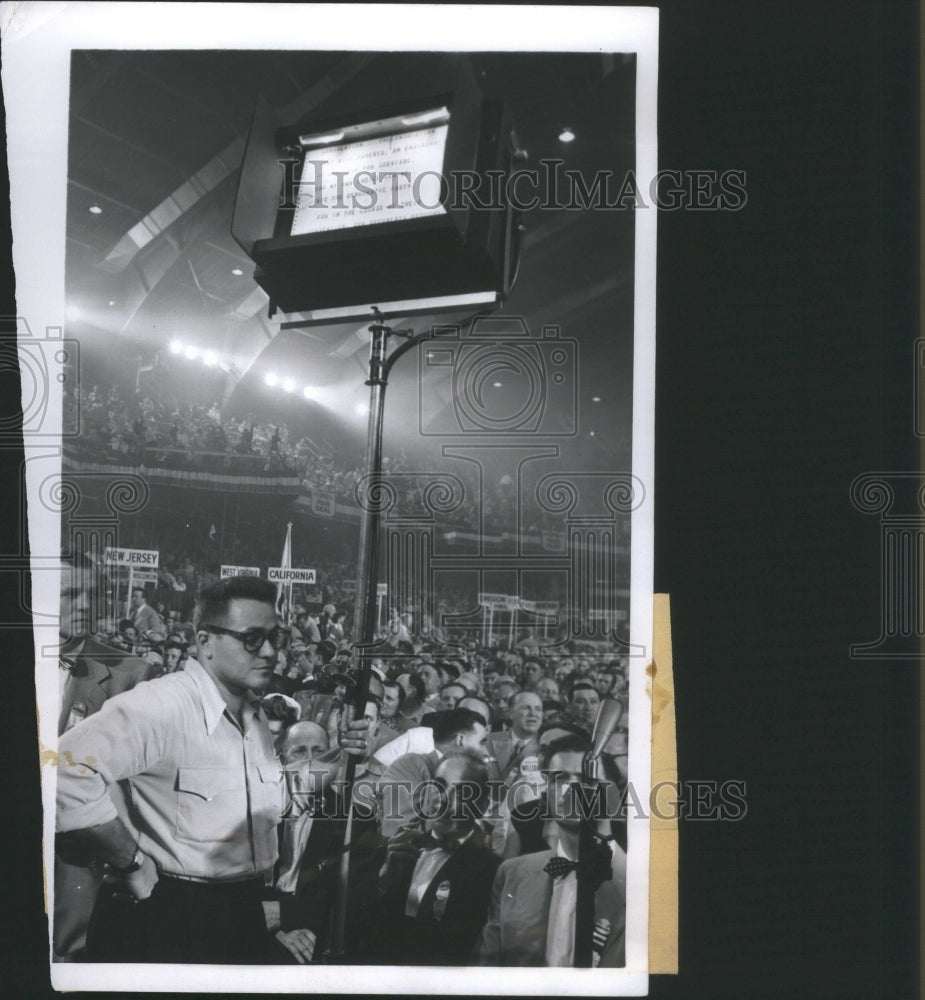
x,y
112,842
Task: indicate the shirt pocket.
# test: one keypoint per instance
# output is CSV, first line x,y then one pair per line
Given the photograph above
x,y
211,804
267,795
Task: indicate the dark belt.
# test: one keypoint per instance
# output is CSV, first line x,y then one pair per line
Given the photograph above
x,y
243,887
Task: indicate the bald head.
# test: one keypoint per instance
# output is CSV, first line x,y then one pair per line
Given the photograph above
x,y
302,742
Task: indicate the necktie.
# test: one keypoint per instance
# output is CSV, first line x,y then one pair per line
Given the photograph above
x,y
556,867
597,866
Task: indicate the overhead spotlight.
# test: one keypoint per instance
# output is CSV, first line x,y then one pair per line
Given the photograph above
x,y
176,346
320,140
95,210
498,385
595,399
289,385
270,379
111,303
566,135
191,353
210,358
237,272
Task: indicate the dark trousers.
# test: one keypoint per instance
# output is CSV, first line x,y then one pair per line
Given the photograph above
x,y
182,922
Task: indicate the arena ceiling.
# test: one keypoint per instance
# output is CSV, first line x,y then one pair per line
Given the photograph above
x,y
155,145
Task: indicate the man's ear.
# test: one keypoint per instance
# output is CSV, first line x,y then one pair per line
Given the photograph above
x,y
203,641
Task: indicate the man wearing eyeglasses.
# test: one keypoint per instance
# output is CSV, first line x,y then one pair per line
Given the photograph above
x,y
195,754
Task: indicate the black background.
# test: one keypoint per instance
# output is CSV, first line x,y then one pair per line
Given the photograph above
x,y
785,336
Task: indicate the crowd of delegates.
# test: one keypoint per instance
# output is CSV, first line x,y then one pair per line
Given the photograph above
x,y
151,429
499,732
159,429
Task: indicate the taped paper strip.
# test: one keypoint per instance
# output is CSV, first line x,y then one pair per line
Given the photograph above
x,y
663,846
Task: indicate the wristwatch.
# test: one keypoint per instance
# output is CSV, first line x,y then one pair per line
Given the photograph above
x,y
136,864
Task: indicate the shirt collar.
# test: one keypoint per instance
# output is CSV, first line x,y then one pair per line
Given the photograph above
x,y
213,704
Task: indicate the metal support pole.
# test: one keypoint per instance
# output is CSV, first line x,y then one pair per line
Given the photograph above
x,y
364,613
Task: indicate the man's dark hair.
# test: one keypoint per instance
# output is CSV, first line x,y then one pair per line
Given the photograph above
x,y
571,743
395,686
214,600
275,707
449,724
582,685
125,623
565,722
450,669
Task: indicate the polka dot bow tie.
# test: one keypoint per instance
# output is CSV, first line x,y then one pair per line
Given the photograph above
x,y
556,867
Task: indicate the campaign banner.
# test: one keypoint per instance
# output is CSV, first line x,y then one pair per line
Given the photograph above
x,y
285,574
496,601
240,571
348,586
135,558
144,576
323,503
540,607
382,589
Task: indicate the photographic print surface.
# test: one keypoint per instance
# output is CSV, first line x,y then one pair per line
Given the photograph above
x,y
345,310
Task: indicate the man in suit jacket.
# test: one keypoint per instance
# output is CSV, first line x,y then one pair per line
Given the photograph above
x,y
90,673
515,751
311,848
406,779
147,621
434,886
531,918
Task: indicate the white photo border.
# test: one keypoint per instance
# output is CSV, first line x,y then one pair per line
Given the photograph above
x,y
37,43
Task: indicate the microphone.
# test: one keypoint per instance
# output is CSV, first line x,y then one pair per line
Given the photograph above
x,y
608,717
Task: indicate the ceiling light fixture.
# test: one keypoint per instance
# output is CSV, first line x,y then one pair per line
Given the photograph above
x,y
237,272
566,135
95,210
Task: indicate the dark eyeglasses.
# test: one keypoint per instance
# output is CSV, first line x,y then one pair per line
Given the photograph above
x,y
254,638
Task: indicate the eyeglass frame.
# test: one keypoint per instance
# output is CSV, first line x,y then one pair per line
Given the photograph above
x,y
246,638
